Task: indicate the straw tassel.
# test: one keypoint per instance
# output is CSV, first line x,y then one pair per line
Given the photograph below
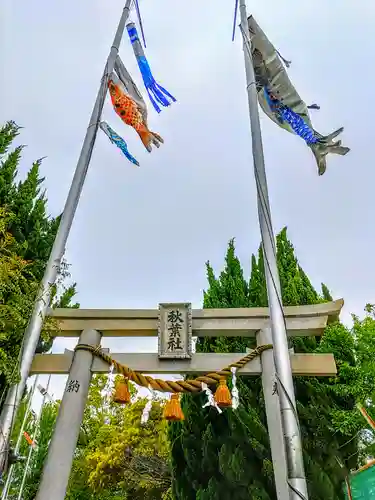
x,y
172,410
122,393
222,395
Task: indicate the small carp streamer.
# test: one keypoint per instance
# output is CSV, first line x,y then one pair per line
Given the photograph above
x,y
29,440
280,101
235,395
129,112
118,141
156,92
210,397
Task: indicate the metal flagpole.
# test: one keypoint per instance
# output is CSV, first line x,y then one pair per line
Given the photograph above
x,y
8,482
292,435
33,437
33,330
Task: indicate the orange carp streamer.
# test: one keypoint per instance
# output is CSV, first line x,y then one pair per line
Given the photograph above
x,y
129,112
29,440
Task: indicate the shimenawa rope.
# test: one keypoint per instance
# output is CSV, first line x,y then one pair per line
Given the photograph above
x,y
173,386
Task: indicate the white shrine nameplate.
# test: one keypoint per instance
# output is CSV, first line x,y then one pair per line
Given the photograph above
x,y
175,331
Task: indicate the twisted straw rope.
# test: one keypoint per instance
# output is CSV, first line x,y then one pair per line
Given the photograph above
x,y
191,385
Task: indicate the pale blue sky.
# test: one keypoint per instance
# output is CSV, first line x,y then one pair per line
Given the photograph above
x,y
142,236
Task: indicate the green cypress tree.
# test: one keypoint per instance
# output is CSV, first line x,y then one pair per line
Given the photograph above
x,y
43,438
209,456
30,226
33,232
9,162
223,456
326,293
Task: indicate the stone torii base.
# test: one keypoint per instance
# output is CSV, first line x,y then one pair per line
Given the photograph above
x,y
91,325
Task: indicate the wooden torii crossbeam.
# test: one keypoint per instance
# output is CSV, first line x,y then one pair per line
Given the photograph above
x,y
300,320
174,324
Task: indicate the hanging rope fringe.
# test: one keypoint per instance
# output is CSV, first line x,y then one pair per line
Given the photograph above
x,y
173,386
235,395
146,410
108,390
119,141
210,398
156,92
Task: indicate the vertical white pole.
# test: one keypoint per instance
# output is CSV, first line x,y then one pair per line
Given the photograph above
x,y
274,423
292,435
8,482
33,330
56,470
25,472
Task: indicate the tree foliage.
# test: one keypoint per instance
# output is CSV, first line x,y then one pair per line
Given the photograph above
x,y
121,457
356,382
31,226
41,436
212,456
116,458
26,237
17,288
229,455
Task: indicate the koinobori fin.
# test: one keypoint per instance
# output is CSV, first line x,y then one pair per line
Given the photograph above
x,y
326,146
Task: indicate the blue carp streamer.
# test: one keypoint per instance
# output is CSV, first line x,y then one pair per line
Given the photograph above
x,y
119,141
296,122
156,92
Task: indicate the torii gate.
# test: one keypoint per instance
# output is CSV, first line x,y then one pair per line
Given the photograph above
x,y
90,325
289,453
